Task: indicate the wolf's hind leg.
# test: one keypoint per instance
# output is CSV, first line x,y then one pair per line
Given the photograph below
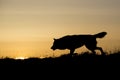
x,y
93,51
99,48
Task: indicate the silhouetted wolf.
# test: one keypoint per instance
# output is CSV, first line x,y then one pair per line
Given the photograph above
x,y
72,42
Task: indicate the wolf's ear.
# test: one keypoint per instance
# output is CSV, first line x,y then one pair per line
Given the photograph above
x,y
54,39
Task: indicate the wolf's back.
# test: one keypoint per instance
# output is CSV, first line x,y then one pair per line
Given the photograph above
x,y
100,35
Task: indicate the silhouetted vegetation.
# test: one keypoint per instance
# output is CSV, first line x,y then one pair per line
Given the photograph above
x,y
86,58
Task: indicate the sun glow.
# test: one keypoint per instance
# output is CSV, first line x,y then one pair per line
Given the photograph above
x,y
21,58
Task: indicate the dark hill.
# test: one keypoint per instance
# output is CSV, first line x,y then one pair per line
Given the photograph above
x,y
76,59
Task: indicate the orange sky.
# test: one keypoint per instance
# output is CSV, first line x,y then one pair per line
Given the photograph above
x,y
27,27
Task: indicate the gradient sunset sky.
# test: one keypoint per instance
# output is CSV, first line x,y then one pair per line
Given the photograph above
x,y
27,27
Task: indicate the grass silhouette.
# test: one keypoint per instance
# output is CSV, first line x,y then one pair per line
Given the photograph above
x,y
85,58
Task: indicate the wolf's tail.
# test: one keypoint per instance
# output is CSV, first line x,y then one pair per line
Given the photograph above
x,y
100,35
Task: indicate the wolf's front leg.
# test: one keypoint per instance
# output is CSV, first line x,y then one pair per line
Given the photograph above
x,y
72,51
